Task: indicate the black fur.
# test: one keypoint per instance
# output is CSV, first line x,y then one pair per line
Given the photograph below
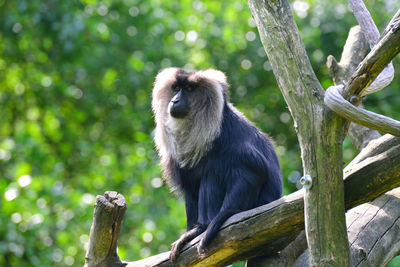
x,y
240,172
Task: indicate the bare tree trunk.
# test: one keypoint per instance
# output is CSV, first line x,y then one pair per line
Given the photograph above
x,y
319,130
107,220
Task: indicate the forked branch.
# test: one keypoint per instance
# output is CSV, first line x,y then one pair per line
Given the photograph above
x,y
372,35
369,68
373,64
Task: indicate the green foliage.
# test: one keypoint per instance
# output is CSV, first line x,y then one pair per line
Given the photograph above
x,y
75,86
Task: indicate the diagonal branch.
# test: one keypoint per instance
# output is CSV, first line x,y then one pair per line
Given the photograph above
x,y
382,53
371,33
273,226
369,68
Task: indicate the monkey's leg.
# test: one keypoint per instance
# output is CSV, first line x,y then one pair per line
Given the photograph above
x,y
185,238
240,196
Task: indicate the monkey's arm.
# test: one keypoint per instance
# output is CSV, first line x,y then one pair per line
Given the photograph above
x,y
193,229
191,204
240,196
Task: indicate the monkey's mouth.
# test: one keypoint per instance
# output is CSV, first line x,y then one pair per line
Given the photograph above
x,y
178,111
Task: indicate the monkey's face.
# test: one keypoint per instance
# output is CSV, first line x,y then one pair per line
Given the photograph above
x,y
188,95
188,108
179,106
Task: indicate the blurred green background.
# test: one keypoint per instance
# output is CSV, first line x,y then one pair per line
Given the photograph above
x,y
75,117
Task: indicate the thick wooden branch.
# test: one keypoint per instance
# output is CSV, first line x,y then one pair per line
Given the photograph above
x,y
335,101
369,68
272,227
372,35
109,212
364,19
374,232
353,53
377,146
382,53
319,130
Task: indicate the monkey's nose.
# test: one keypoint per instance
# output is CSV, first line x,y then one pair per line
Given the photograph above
x,y
176,98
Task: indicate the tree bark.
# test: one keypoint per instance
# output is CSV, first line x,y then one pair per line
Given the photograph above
x,y
335,101
268,229
319,130
374,232
372,35
382,53
353,53
109,212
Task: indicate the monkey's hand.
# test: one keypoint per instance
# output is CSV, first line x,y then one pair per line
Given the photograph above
x,y
185,238
175,247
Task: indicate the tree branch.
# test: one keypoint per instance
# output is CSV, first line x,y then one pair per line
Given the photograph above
x,y
335,101
109,212
319,131
374,232
271,227
369,68
372,35
381,54
353,53
376,147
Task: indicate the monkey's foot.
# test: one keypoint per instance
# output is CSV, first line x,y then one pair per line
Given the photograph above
x,y
201,249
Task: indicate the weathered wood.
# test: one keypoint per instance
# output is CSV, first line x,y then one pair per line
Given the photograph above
x,y
353,53
109,212
375,147
320,131
372,35
366,72
382,53
374,232
365,20
271,227
371,166
335,101
285,257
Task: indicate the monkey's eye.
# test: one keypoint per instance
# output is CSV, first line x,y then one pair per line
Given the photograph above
x,y
176,89
189,88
